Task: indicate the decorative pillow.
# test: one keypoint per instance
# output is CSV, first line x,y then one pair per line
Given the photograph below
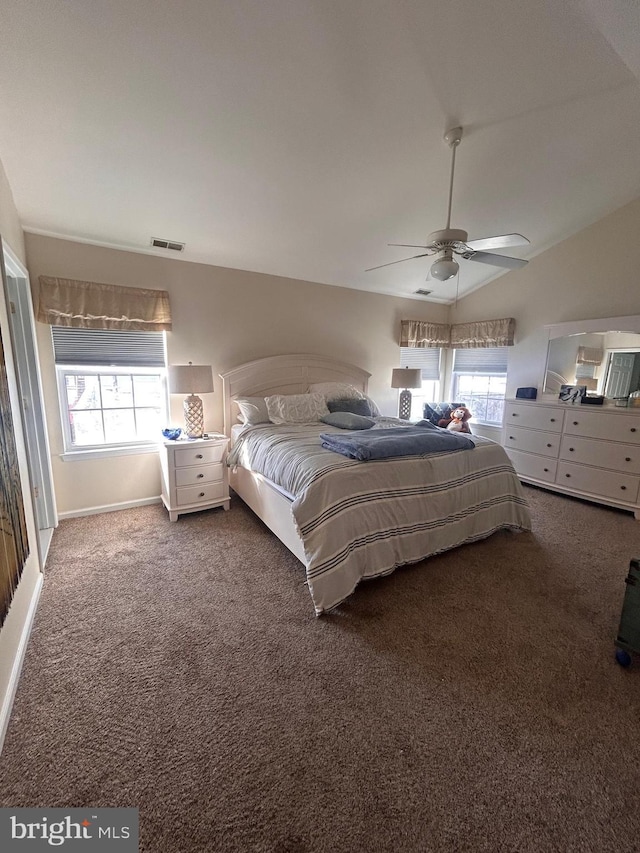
x,y
336,391
253,410
296,408
435,412
375,411
356,407
347,420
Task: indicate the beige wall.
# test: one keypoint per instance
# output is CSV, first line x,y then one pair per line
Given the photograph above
x,y
10,228
221,317
595,273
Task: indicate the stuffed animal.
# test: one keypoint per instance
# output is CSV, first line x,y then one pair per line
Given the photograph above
x,y
459,418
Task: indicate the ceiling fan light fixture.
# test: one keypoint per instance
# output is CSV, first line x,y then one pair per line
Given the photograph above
x,y
444,268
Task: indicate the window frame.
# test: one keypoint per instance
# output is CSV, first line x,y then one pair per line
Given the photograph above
x,y
81,367
489,374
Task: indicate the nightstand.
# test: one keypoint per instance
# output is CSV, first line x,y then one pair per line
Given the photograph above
x,y
194,474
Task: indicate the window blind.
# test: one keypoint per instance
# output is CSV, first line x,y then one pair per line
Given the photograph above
x,y
427,359
100,347
490,360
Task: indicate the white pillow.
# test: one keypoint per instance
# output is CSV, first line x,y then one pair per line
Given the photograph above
x,y
296,408
336,391
253,410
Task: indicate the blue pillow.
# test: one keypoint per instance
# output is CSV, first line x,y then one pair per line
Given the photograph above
x,y
356,407
347,420
435,412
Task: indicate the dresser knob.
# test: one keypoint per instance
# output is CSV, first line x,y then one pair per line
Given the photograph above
x,y
511,438
201,495
571,449
633,429
567,475
548,445
545,470
624,488
200,476
514,414
198,455
627,459
553,420
575,423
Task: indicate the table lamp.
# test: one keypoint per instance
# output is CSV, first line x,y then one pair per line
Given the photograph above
x,y
406,377
191,379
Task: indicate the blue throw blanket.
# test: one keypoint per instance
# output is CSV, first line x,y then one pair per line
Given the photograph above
x,y
416,440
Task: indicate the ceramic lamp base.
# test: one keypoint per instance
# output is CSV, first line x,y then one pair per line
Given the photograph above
x,y
404,406
193,416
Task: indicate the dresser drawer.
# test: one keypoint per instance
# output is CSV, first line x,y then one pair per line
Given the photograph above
x,y
536,467
199,455
533,416
532,441
621,427
596,481
194,474
200,494
602,454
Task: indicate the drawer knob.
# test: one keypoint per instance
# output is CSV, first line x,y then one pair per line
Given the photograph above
x,y
201,495
511,438
623,488
633,429
627,459
567,475
198,455
200,476
571,449
575,423
548,445
553,420
514,414
545,470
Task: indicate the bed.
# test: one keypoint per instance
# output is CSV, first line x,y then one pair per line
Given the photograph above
x,y
347,520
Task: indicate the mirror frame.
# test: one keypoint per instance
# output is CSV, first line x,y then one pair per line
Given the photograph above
x,y
630,323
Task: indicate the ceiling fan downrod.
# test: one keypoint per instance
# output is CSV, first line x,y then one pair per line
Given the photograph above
x,y
452,138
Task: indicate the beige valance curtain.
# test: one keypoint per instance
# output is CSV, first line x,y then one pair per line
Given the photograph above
x,y
418,333
88,305
589,355
483,334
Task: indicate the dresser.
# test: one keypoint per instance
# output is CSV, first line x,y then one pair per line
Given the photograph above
x,y
586,451
194,475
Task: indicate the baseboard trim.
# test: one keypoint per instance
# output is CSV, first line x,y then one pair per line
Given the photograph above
x,y
96,510
10,693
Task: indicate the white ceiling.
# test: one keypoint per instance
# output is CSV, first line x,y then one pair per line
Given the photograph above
x,y
299,137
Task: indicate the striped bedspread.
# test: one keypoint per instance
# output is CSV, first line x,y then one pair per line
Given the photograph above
x,y
363,519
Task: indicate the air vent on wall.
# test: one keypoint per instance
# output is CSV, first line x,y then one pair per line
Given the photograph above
x,y
157,243
424,292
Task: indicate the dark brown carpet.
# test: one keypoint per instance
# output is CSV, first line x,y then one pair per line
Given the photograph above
x,y
469,703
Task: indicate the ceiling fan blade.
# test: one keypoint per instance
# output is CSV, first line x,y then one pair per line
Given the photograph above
x,y
397,262
504,241
410,246
496,260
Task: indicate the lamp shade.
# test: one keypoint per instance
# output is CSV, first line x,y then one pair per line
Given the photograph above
x,y
190,379
406,377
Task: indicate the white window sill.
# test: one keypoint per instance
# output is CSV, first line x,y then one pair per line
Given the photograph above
x,y
106,452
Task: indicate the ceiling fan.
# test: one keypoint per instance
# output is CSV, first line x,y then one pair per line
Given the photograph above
x,y
453,241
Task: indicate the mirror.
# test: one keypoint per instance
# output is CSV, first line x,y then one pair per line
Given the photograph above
x,y
602,354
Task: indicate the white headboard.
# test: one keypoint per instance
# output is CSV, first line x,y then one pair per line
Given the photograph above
x,y
284,374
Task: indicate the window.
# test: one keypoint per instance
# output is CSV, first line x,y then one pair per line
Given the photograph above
x,y
428,359
111,387
480,382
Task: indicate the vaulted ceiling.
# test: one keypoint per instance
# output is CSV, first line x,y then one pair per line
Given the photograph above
x,y
300,137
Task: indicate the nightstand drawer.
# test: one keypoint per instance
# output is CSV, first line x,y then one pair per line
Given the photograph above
x,y
200,494
194,475
199,455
